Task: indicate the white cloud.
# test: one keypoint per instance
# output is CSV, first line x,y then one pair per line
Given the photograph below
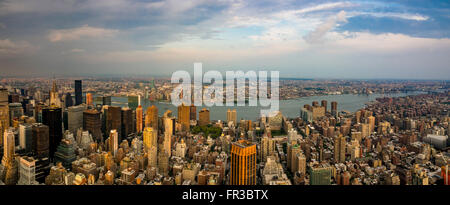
x,y
80,32
407,16
246,21
276,35
275,42
386,43
293,14
243,19
282,42
326,6
166,32
321,30
9,48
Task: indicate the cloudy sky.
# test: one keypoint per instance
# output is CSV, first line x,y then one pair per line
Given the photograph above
x,y
306,39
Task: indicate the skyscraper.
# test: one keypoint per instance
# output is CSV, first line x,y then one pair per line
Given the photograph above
x,y
301,162
15,112
65,153
38,112
231,116
355,149
68,100
167,144
114,120
364,129
184,117
25,137
4,113
78,92
114,141
169,123
151,117
320,175
267,148
52,117
127,122
203,117
75,117
371,122
9,147
92,122
89,99
163,163
40,142
317,111
339,149
324,104
295,152
243,163
334,108
139,117
358,116
27,171
193,112
4,96
9,168
153,156
150,138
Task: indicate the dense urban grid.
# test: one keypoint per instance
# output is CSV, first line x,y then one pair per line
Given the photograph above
x,y
67,132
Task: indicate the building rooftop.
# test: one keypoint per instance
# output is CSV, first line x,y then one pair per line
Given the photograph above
x,y
243,143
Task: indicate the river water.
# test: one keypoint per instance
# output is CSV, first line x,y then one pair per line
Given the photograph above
x,y
289,108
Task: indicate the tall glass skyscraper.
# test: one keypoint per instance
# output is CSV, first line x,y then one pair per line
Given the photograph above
x,y
78,92
52,117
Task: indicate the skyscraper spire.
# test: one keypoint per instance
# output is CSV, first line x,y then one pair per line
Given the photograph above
x,y
54,86
54,101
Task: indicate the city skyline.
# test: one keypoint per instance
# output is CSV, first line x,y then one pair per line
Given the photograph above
x,y
396,134
302,39
224,100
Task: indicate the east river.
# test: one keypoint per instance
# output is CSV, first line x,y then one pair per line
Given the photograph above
x,y
289,108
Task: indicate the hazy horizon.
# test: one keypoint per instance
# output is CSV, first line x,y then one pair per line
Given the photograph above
x,y
131,76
